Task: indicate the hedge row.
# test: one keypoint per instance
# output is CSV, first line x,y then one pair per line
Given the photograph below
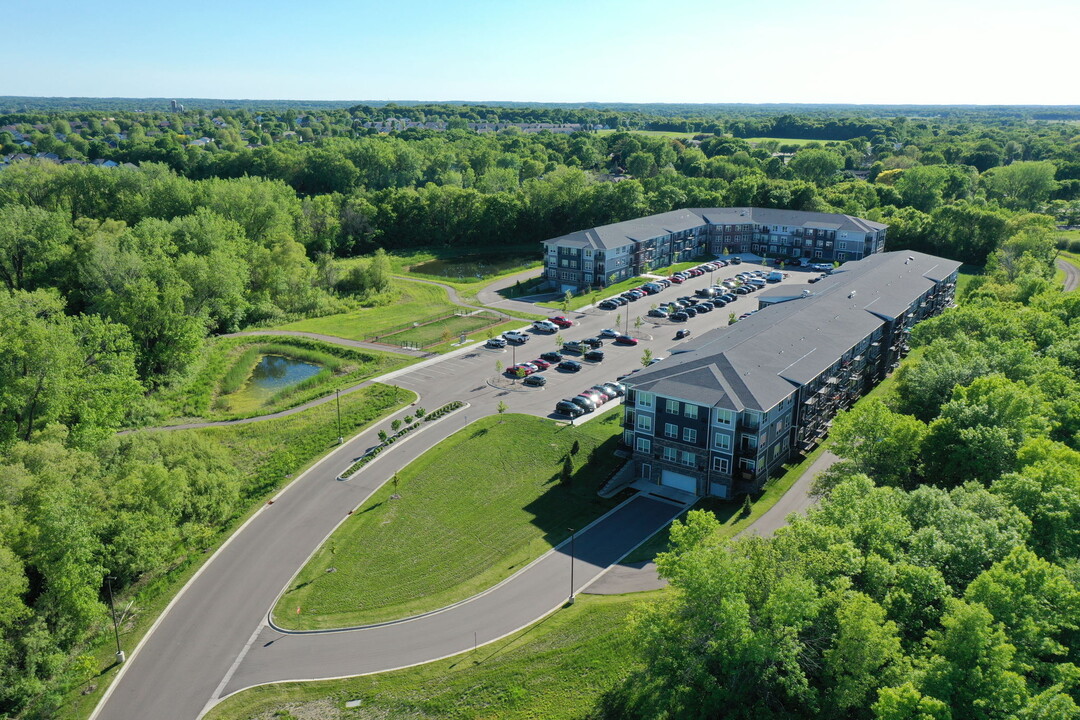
x,y
374,452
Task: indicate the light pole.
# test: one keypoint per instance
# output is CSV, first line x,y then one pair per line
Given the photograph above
x,y
116,628
340,437
573,533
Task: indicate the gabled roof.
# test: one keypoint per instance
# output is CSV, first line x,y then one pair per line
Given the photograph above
x,y
757,362
623,233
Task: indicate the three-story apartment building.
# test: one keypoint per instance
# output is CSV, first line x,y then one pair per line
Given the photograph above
x,y
718,417
604,255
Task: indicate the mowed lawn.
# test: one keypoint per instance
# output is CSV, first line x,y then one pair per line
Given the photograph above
x,y
557,669
414,302
470,512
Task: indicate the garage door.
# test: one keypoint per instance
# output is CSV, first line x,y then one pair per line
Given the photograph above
x,y
678,481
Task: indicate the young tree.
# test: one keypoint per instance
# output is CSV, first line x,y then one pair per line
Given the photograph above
x,y
646,357
501,407
567,472
566,301
638,323
395,425
498,367
575,448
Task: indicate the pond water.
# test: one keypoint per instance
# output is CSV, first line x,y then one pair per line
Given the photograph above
x,y
469,266
271,374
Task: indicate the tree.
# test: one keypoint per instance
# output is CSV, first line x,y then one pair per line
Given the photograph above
x,y
498,367
865,652
567,472
817,166
33,243
880,443
567,297
377,275
501,407
395,425
575,448
1021,184
638,323
646,357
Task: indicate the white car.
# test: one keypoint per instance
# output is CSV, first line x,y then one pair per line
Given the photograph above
x,y
516,337
545,326
608,332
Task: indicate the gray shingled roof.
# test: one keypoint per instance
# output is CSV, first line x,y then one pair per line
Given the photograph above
x,y
622,233
757,362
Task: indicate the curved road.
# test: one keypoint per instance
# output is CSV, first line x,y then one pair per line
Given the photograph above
x,y
1072,275
212,638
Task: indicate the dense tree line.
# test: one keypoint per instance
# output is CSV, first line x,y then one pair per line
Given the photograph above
x,y
937,579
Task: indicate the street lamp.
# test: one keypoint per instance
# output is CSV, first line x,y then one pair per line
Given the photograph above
x,y
116,628
573,533
340,437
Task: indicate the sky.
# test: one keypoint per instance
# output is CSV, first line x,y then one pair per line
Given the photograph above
x,y
719,51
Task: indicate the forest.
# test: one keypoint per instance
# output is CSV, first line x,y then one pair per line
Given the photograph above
x,y
115,278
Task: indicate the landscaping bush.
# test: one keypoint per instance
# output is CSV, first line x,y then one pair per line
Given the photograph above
x,y
386,441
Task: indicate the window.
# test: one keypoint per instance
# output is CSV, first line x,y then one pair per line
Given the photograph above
x,y
628,438
724,417
688,459
721,441
747,464
669,454
644,423
671,430
841,256
644,400
690,411
721,465
689,435
673,407
841,246
644,445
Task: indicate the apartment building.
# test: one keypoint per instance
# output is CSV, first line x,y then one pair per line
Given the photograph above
x,y
720,415
604,255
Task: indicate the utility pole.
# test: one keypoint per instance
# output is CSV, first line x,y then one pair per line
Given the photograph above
x,y
340,437
116,628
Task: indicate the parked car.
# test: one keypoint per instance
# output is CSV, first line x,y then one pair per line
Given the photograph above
x,y
703,308
616,389
680,316
821,267
608,332
516,337
593,342
565,407
545,326
683,333
569,365
551,357
595,356
735,260
717,303
597,396
816,278
705,292
562,321
728,297
658,313
535,381
676,279
691,312
743,290
517,370
626,340
584,402
607,305
540,363
619,300
495,342
573,346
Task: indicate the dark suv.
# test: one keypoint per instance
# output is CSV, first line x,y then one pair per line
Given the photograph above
x,y
565,407
593,342
551,357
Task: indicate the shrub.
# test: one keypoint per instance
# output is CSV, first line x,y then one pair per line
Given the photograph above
x,y
408,419
420,412
395,425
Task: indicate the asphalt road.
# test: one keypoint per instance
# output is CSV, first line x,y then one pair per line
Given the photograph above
x,y
183,662
1072,275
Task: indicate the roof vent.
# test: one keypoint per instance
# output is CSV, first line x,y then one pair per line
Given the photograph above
x,y
851,294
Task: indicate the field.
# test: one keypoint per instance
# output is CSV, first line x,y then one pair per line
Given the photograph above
x,y
413,301
657,133
202,394
257,451
451,327
473,510
557,669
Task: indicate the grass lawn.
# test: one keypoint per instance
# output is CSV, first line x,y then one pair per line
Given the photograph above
x,y
557,669
257,452
679,135
449,328
964,277
199,394
587,298
473,510
415,301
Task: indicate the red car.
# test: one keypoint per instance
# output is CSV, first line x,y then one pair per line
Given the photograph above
x,y
675,279
542,364
524,368
562,321
626,340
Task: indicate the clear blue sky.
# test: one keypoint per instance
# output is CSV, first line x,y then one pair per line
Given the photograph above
x,y
856,51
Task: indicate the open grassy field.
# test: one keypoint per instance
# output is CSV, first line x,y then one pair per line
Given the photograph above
x,y
557,669
266,456
678,135
413,301
451,327
470,512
